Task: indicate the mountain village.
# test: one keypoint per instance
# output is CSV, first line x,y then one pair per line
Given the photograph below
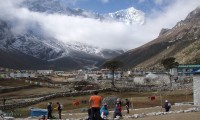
x,y
181,72
47,74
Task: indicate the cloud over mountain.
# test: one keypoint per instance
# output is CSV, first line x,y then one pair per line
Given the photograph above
x,y
106,34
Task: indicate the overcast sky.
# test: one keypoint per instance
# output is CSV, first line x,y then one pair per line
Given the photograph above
x,y
159,14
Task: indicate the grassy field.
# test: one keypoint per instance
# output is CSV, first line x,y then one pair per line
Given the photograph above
x,y
12,83
31,91
138,100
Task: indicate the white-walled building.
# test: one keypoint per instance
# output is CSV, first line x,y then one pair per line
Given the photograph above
x,y
91,76
4,75
59,72
22,74
45,72
138,72
108,75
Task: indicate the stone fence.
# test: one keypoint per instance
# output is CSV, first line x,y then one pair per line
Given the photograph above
x,y
148,88
136,116
45,97
44,84
11,89
31,84
48,97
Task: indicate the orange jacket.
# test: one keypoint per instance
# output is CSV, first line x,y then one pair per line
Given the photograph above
x,y
95,101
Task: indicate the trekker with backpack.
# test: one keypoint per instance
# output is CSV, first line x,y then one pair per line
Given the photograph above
x,y
49,109
127,105
59,108
167,105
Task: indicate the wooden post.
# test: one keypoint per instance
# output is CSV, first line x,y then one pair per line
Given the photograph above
x,y
132,103
161,100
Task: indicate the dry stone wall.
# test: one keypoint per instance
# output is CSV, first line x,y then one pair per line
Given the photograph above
x,y
196,90
48,97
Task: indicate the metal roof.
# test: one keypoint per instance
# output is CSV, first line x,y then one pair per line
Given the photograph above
x,y
188,66
196,71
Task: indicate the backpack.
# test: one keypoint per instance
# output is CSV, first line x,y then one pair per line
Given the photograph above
x,y
169,105
61,106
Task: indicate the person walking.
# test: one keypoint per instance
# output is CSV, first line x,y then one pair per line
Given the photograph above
x,y
49,109
59,108
117,112
127,105
119,104
118,108
4,101
95,104
167,105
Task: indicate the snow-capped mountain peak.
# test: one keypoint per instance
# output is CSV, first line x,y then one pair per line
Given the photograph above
x,y
78,46
129,16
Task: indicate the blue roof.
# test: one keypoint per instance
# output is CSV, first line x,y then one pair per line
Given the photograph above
x,y
196,71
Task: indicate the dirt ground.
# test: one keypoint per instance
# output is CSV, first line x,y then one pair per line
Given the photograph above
x,y
178,116
138,100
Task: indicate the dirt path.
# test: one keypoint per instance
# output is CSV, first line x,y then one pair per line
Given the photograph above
x,y
178,116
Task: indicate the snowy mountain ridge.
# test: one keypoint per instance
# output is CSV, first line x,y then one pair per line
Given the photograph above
x,y
33,43
127,16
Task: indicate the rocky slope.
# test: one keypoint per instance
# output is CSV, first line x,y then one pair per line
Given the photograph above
x,y
181,42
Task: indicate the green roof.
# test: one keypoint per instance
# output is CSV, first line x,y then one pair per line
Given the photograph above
x,y
188,66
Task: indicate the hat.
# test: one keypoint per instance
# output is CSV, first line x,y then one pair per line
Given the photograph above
x,y
166,100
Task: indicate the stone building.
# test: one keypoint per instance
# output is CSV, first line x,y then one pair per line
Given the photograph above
x,y
183,71
196,87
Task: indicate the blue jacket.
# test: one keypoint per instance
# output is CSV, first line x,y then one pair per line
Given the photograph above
x,y
105,110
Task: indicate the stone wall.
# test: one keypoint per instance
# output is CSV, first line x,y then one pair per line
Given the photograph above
x,y
196,90
148,88
48,97
45,97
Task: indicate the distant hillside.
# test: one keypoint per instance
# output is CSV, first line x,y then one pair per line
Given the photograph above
x,y
190,54
182,42
19,60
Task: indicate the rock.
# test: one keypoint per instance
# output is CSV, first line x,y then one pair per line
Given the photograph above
x,y
135,115
159,113
180,111
194,109
187,111
8,118
141,115
170,112
117,118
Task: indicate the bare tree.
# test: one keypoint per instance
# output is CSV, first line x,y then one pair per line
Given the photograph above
x,y
113,65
